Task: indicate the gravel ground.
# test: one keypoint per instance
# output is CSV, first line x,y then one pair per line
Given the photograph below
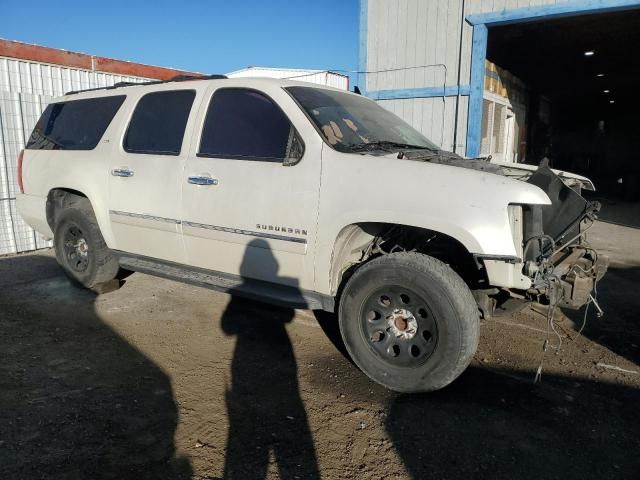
x,y
164,380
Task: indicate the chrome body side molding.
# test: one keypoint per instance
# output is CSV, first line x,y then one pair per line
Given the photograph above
x,y
239,231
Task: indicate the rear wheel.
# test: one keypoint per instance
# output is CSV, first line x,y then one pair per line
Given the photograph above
x,y
409,322
80,247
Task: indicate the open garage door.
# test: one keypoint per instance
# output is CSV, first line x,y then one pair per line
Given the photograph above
x,y
574,84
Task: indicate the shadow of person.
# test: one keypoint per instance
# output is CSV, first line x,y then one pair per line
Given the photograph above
x,y
267,419
77,400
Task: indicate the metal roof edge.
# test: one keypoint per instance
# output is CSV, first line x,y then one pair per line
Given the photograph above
x,y
66,58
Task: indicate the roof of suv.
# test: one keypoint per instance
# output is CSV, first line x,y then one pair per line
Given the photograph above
x,y
182,82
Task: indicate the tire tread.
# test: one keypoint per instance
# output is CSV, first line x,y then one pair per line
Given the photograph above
x,y
106,260
465,304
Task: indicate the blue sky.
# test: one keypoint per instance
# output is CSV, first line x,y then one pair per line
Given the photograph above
x,y
204,36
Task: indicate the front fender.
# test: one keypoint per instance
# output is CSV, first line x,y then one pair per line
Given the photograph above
x,y
468,205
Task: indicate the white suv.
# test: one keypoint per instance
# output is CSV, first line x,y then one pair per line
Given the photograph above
x,y
309,197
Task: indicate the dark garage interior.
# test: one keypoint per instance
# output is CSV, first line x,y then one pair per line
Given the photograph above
x,y
581,75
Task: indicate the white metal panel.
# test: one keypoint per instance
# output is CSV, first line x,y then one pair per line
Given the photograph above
x,y
54,80
320,77
19,113
412,43
434,117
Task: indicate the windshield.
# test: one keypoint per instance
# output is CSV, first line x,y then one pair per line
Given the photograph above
x,y
354,123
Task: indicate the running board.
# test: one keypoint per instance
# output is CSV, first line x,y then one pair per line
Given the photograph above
x,y
277,294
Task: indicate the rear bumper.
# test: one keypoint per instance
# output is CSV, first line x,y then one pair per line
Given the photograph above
x,y
33,211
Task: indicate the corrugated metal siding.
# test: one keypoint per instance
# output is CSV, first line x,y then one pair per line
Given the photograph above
x,y
52,80
320,77
18,114
417,39
420,41
434,117
25,90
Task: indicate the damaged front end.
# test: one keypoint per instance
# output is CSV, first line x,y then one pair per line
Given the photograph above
x,y
556,266
563,267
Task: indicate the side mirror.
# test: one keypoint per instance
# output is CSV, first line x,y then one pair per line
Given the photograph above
x,y
295,149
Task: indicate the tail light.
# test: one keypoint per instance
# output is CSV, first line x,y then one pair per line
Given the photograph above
x,y
20,157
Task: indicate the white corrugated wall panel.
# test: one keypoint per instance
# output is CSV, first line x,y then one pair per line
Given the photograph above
x,y
53,80
412,43
320,77
19,113
13,140
434,117
25,90
337,81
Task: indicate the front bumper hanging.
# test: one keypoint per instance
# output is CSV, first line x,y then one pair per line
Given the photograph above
x,y
572,278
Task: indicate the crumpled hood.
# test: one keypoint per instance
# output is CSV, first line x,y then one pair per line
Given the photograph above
x,y
478,181
523,171
517,171
561,217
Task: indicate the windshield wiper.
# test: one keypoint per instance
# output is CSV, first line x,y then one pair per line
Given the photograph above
x,y
386,145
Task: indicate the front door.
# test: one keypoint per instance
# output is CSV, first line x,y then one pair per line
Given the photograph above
x,y
146,173
250,195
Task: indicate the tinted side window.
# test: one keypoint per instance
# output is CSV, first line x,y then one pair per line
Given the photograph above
x,y
158,123
74,125
245,124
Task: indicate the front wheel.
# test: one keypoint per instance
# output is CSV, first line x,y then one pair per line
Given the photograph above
x,y
409,322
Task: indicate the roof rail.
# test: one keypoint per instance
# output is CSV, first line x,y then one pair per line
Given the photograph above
x,y
177,78
185,78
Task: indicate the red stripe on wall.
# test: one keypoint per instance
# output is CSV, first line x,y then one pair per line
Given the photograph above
x,y
37,53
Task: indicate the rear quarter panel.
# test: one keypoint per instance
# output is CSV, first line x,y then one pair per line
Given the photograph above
x,y
85,171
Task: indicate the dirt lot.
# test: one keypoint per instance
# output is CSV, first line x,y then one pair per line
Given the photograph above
x,y
163,380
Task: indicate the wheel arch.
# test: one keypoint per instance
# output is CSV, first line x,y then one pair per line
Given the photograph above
x,y
59,198
357,243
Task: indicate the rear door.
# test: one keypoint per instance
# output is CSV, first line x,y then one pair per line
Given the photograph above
x,y
146,171
251,187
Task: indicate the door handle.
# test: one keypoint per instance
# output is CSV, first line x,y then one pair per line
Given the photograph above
x,y
122,172
202,180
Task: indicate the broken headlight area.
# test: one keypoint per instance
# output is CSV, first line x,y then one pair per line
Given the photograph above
x,y
568,278
563,268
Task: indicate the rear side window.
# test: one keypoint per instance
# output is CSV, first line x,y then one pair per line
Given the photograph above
x,y
158,123
245,124
74,125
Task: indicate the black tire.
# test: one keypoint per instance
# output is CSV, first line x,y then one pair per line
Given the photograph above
x,y
409,322
80,248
